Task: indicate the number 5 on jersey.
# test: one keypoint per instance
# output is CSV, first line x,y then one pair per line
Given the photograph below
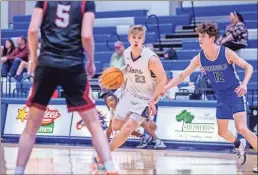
x,y
63,17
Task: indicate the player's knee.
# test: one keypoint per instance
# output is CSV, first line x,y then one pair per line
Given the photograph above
x,y
129,128
32,127
34,122
89,116
242,130
116,127
117,124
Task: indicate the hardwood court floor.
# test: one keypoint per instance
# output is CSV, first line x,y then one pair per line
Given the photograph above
x,y
54,159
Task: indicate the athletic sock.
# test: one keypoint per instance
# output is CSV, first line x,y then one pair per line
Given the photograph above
x,y
237,143
109,166
19,170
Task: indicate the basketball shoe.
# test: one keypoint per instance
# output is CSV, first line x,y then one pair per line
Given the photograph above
x,y
240,151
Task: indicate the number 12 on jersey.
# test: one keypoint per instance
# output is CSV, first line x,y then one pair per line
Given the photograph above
x,y
218,76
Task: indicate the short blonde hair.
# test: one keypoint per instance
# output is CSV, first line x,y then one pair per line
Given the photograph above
x,y
135,29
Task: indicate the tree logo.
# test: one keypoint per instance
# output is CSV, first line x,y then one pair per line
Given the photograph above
x,y
184,116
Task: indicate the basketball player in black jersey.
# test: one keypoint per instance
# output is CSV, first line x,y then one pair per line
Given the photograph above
x,y
66,33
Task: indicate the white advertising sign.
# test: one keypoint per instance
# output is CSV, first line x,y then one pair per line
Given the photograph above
x,y
79,128
189,124
56,121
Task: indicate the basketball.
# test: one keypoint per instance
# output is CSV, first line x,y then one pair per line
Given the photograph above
x,y
112,78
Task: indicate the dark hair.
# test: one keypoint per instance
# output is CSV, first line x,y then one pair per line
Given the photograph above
x,y
240,17
211,28
108,95
5,50
24,39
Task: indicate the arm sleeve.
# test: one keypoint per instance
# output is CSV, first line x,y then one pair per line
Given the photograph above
x,y
90,7
39,4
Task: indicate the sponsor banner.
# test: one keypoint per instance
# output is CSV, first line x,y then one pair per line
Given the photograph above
x,y
190,124
56,121
79,128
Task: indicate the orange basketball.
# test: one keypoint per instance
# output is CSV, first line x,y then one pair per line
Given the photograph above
x,y
112,78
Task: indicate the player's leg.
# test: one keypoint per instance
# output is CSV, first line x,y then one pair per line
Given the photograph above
x,y
146,139
134,121
240,117
118,122
99,139
224,132
239,144
79,98
44,84
223,115
241,126
137,133
151,129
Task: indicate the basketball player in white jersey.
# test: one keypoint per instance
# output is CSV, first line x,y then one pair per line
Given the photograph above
x,y
146,79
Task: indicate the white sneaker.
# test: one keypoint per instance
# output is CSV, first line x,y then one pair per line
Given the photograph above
x,y
240,151
255,170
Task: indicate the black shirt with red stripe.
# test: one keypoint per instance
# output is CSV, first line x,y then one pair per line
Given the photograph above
x,y
61,44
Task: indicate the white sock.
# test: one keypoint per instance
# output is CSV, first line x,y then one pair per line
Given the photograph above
x,y
19,170
109,165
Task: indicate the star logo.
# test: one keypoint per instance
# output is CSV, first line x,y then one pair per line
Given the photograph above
x,y
22,114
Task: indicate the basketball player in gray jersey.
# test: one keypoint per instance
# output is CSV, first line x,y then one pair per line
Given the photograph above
x,y
145,80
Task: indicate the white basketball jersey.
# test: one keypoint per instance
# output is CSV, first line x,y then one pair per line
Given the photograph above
x,y
141,82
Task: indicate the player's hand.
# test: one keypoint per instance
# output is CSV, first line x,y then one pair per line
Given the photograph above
x,y
100,82
152,108
90,69
31,67
164,91
241,90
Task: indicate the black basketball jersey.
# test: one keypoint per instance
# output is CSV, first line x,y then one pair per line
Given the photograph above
x,y
61,44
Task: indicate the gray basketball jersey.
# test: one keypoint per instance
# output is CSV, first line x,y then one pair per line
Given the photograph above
x,y
141,82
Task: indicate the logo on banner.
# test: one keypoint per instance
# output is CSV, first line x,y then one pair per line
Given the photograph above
x,y
190,126
47,124
80,124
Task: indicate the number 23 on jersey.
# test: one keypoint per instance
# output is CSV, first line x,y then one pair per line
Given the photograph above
x,y
139,79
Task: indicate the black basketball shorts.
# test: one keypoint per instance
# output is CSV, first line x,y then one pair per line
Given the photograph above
x,y
74,82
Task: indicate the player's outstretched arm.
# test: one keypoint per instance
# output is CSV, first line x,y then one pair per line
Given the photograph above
x,y
232,57
35,23
157,68
195,63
